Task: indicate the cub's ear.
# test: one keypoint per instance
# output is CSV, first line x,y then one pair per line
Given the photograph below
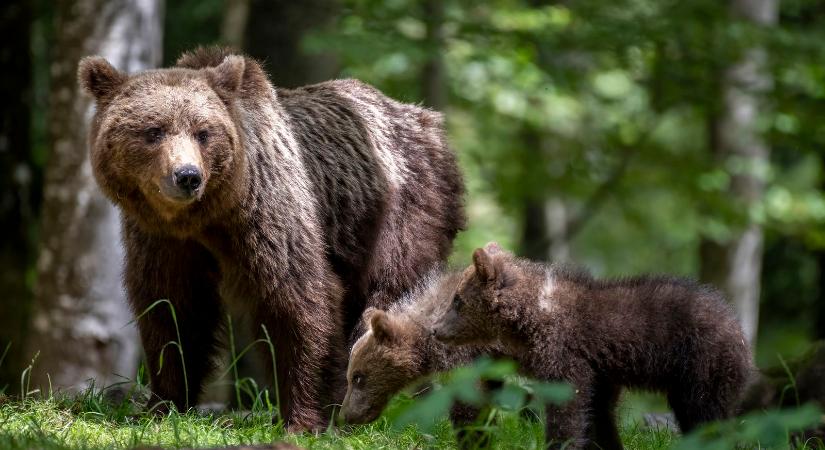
x,y
227,77
486,269
493,248
97,77
381,325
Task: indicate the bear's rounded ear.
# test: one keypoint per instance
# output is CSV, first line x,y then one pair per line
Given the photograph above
x,y
493,248
366,316
97,77
227,77
381,326
484,265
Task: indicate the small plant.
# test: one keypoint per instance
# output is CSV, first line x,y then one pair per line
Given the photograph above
x,y
178,344
770,429
463,385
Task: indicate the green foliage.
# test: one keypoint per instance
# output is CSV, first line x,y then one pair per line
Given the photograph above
x,y
556,97
770,429
463,385
609,109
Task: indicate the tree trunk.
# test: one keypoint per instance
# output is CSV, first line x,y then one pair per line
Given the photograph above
x,y
545,224
18,178
274,34
81,316
735,266
433,83
819,312
233,28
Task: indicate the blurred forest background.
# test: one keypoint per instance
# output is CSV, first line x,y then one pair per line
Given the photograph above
x,y
627,136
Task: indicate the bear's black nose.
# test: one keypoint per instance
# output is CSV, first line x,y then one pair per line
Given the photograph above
x,y
188,178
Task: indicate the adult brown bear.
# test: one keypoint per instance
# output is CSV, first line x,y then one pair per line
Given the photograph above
x,y
303,205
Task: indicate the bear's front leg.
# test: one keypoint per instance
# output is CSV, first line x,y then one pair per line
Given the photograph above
x,y
185,274
303,320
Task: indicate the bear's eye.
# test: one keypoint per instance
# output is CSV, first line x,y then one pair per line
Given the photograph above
x,y
202,136
358,380
153,135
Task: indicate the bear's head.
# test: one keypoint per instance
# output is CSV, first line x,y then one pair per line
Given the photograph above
x,y
165,144
474,314
382,362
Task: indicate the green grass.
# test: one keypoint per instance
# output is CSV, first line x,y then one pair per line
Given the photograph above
x,y
87,422
91,420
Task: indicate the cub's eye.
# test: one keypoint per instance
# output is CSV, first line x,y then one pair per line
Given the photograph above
x,y
358,380
202,136
153,135
457,303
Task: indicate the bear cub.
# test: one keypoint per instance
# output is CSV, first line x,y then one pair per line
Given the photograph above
x,y
658,333
398,348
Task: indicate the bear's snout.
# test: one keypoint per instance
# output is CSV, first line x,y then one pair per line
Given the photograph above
x,y
188,179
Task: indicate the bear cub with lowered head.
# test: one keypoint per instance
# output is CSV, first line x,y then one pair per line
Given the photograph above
x,y
302,206
398,349
658,333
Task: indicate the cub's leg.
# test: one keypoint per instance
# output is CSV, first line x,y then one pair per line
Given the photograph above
x,y
567,425
604,433
185,274
698,404
468,420
465,419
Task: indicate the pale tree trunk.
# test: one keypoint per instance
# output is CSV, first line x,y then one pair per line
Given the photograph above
x,y
80,322
233,28
736,265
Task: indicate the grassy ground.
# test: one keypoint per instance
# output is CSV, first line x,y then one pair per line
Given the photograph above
x,y
94,421
85,422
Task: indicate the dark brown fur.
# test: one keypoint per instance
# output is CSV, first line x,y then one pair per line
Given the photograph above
x,y
315,202
659,333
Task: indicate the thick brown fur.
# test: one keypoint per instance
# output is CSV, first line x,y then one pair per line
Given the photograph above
x,y
398,349
658,333
314,203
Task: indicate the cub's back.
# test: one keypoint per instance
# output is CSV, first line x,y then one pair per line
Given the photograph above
x,y
666,324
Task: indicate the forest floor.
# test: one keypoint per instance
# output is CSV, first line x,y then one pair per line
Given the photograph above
x,y
87,423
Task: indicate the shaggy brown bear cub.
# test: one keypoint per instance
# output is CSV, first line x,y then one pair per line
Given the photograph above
x,y
659,333
302,206
398,348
